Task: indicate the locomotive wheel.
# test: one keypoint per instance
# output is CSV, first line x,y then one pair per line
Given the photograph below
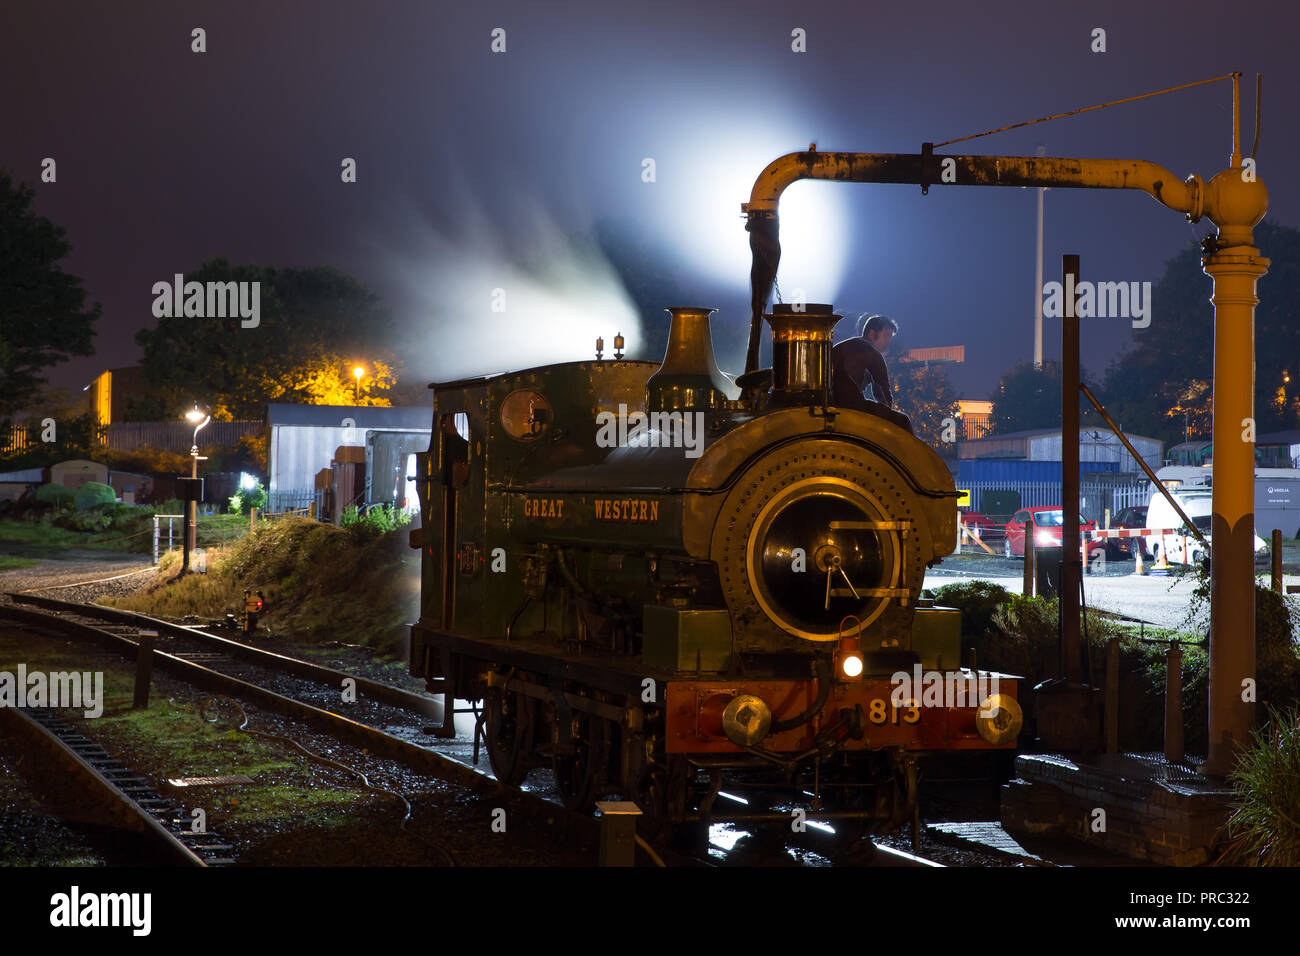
x,y
508,727
580,775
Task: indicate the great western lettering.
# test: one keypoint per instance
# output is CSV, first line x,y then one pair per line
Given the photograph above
x,y
626,509
543,507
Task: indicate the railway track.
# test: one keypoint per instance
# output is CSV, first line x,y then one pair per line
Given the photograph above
x,y
221,666
109,787
379,721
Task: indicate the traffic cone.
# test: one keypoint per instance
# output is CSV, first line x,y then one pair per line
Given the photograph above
x,y
1138,567
1161,564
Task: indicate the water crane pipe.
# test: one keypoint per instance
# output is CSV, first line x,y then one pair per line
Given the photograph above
x,y
926,169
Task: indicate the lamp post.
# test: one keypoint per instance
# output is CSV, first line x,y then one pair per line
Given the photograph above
x,y
356,392
198,419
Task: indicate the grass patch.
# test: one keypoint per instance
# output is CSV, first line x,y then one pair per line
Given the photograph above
x,y
214,530
8,564
1264,829
170,739
320,584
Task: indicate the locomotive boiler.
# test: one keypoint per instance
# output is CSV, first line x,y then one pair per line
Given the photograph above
x,y
652,579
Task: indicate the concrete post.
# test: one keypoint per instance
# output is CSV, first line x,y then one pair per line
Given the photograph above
x,y
1112,695
617,832
1174,703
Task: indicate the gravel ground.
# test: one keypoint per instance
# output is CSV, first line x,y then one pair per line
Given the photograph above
x,y
31,830
73,567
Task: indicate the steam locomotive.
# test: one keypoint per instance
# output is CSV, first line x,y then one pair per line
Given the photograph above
x,y
654,580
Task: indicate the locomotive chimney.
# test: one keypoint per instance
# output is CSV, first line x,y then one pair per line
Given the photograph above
x,y
689,378
801,353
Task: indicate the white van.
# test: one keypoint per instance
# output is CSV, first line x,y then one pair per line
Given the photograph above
x,y
1277,495
1197,502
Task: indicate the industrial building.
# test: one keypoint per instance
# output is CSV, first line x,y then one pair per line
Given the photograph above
x,y
327,457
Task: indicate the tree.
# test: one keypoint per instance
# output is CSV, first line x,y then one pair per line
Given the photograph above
x,y
1161,387
43,314
1029,397
314,326
922,393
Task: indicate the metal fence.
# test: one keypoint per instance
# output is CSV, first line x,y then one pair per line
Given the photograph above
x,y
129,436
176,436
1097,493
292,499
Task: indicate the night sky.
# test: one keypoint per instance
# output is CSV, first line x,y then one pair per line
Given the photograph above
x,y
474,168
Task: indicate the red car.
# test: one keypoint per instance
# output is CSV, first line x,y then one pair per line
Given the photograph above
x,y
1044,523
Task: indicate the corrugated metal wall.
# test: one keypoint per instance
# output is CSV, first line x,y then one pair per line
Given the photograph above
x,y
296,454
386,457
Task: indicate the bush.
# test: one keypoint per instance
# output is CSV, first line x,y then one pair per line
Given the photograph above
x,y
54,495
1263,828
246,500
172,506
110,517
93,493
1022,638
377,521
977,601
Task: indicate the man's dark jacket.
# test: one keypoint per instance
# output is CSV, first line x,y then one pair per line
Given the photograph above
x,y
856,364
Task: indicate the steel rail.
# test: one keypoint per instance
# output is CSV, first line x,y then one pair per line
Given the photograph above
x,y
45,735
374,690
371,739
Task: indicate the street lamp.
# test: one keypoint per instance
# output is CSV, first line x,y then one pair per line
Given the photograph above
x,y
358,372
198,419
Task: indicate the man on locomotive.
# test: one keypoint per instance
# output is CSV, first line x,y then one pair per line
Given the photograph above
x,y
859,374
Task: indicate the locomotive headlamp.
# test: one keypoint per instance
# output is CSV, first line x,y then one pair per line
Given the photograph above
x,y
851,665
999,719
848,659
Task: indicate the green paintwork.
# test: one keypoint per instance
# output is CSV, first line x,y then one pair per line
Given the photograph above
x,y
936,637
697,640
